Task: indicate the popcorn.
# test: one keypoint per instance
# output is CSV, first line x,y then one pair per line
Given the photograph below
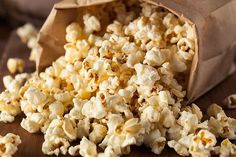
x,y
167,117
195,110
204,139
94,109
156,57
109,152
202,143
91,23
9,103
74,150
179,148
87,148
189,121
73,32
134,58
227,149
70,129
83,128
15,65
116,86
151,114
155,141
30,125
36,98
147,75
26,32
56,109
220,124
72,53
54,145
230,101
6,117
98,133
8,144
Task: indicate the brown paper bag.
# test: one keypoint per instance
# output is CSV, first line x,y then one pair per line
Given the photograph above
x,y
214,22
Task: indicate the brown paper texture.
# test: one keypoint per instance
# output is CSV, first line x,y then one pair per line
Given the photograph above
x,y
214,22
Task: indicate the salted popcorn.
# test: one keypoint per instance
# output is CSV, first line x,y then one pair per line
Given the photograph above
x,y
8,144
121,82
15,65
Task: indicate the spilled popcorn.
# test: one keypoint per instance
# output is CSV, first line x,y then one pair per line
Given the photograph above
x,y
118,86
8,144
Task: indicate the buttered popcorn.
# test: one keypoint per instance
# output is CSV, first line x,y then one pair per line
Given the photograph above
x,y
118,84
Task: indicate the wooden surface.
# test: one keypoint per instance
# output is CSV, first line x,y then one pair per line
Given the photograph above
x,y
31,143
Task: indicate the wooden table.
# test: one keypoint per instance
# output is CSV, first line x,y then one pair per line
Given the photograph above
x,y
31,143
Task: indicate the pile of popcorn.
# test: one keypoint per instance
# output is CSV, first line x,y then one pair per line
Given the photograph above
x,y
118,86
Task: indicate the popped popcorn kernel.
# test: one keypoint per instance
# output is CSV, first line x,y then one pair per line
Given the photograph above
x,y
8,144
15,65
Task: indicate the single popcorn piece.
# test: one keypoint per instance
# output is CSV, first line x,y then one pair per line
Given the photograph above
x,y
205,139
26,32
98,133
73,32
220,124
70,129
6,117
30,125
230,101
94,109
15,65
155,141
156,57
189,122
147,75
227,148
87,148
8,144
54,145
74,150
91,23
179,148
